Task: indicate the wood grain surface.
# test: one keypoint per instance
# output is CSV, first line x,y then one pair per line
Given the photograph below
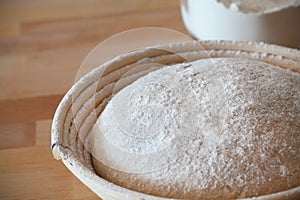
x,y
42,44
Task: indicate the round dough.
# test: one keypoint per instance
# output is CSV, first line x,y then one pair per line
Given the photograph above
x,y
218,128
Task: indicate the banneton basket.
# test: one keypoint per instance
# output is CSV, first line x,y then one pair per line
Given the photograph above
x,y
84,102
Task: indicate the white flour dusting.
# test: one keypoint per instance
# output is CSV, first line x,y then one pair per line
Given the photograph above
x,y
207,129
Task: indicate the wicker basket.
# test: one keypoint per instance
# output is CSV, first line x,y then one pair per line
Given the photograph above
x,y
84,102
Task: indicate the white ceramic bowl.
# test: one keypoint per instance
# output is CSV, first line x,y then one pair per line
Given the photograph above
x,y
210,20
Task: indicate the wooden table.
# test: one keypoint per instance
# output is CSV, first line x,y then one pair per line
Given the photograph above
x,y
42,44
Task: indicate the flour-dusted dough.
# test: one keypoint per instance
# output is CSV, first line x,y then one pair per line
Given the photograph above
x,y
212,129
259,6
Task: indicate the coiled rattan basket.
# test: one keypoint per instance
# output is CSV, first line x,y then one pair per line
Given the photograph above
x,y
84,102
